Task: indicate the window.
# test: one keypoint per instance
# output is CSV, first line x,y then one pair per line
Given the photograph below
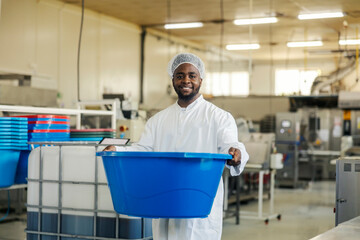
x,y
226,84
293,81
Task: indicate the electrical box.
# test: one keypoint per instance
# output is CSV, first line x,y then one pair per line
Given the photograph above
x,y
130,128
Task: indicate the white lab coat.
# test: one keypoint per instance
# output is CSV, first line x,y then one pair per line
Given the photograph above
x,y
201,127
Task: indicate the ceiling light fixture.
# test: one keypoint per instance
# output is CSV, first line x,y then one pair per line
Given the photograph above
x,y
242,46
349,42
320,15
183,25
305,44
255,21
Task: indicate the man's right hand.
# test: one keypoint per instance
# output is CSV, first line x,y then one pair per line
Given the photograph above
x,y
110,148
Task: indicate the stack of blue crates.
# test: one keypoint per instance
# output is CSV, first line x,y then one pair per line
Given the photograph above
x,y
44,128
41,128
13,139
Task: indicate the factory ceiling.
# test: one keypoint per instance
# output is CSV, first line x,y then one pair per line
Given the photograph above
x,y
217,17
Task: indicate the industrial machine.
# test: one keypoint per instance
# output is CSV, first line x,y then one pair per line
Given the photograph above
x,y
312,135
320,142
355,127
347,189
287,142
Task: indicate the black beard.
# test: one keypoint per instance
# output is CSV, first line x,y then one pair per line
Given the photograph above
x,y
186,97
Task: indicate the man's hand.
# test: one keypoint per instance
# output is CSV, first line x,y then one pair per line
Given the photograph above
x,y
236,160
110,148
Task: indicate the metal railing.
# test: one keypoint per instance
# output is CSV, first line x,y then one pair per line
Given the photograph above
x,y
72,112
40,207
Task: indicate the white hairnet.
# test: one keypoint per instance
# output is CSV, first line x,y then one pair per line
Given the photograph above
x,y
181,58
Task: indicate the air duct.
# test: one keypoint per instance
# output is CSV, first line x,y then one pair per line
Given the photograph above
x,y
321,82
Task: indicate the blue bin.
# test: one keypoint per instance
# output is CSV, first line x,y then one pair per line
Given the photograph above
x,y
8,163
163,184
22,167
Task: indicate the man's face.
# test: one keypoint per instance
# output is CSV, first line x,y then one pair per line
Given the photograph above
x,y
186,81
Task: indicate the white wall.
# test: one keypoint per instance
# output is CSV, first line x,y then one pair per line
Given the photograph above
x,y
41,38
262,81
253,107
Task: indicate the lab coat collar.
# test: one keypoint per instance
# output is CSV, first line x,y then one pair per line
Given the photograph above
x,y
192,105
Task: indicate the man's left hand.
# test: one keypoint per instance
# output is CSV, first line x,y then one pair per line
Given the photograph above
x,y
236,160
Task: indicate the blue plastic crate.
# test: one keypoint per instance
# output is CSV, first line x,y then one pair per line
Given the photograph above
x,y
60,139
49,135
13,130
163,184
54,118
12,122
86,139
16,134
49,126
13,137
13,144
13,119
10,140
11,126
8,163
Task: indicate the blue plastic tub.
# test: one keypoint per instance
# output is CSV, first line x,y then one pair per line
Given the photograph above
x,y
22,167
8,163
163,184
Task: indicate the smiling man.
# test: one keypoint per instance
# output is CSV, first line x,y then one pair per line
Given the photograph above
x,y
192,124
187,82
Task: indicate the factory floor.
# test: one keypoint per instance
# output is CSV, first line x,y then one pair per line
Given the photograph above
x,y
305,214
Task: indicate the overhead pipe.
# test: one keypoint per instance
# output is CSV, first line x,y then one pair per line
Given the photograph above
x,y
142,60
321,82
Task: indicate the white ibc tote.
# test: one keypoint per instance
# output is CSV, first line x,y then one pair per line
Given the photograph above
x,y
68,197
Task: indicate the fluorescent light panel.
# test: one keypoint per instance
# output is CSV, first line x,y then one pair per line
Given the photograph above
x,y
350,42
255,21
242,46
305,44
320,15
183,25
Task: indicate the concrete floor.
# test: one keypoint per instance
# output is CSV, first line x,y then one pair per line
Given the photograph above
x,y
305,214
